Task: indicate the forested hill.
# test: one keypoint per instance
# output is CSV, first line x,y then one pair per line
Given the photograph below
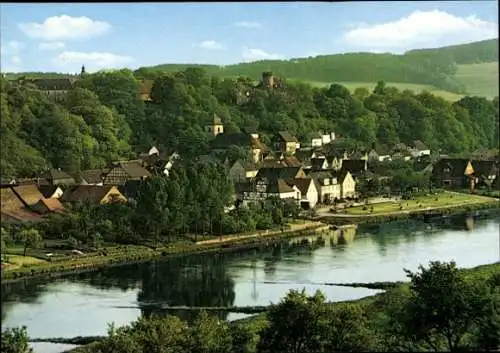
x,y
103,119
484,51
435,67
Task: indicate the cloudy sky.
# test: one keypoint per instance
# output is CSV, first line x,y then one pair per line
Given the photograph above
x,y
62,37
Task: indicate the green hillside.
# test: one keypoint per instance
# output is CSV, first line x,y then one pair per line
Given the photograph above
x,y
449,71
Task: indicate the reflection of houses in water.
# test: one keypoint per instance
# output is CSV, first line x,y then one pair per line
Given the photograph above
x,y
470,223
333,236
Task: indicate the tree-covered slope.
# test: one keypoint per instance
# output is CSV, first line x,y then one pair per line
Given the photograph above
x,y
103,119
436,67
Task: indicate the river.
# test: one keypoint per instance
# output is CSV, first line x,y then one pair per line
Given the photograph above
x,y
84,304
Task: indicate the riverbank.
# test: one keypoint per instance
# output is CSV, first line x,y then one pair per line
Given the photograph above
x,y
373,305
119,255
422,207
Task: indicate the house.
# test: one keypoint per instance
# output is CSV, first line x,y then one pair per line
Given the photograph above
x,y
252,132
13,209
256,149
241,171
28,194
94,194
93,176
304,155
121,172
163,165
50,191
327,138
362,155
485,154
281,172
335,162
347,183
287,143
269,81
327,186
419,149
58,177
356,167
291,161
485,172
215,127
45,206
262,188
319,164
308,191
452,173
316,140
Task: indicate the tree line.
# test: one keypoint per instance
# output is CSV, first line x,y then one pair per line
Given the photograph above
x,y
103,119
442,309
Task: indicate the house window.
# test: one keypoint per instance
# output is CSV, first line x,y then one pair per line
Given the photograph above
x,y
209,129
218,129
446,170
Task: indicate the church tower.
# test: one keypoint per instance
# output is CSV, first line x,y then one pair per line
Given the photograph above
x,y
216,127
82,73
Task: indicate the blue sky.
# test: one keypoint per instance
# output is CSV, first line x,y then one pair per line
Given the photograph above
x,y
62,37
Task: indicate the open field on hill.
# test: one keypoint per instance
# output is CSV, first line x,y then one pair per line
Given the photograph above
x,y
480,79
351,86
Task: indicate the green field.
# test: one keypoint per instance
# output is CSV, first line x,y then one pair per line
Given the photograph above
x,y
351,86
480,79
445,199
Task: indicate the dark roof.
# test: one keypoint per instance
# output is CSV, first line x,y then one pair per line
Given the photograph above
x,y
287,137
456,165
320,175
94,176
354,166
53,84
278,173
291,161
317,163
340,175
485,168
47,190
302,184
133,169
250,130
81,193
304,155
419,145
277,186
54,175
316,135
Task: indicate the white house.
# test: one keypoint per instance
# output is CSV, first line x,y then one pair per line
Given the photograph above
x,y
263,188
328,188
308,191
153,150
316,140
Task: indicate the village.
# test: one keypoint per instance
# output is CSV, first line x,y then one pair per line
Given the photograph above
x,y
314,174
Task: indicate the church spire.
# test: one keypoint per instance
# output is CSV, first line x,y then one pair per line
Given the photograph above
x,y
82,73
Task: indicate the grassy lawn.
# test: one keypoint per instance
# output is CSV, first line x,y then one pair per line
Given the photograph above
x,y
479,79
441,200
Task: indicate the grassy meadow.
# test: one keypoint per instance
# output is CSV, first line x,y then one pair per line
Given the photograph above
x,y
480,79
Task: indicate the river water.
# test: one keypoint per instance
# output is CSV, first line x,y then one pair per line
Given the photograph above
x,y
84,304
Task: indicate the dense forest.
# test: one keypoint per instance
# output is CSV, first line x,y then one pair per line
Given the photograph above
x,y
103,119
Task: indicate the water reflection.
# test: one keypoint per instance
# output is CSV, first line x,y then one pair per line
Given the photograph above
x,y
246,278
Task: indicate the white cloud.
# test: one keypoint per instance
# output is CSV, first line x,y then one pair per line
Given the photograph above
x,y
51,46
16,61
65,27
420,29
12,47
210,44
248,24
93,60
259,54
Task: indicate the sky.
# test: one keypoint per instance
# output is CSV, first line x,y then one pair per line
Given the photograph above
x,y
63,37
